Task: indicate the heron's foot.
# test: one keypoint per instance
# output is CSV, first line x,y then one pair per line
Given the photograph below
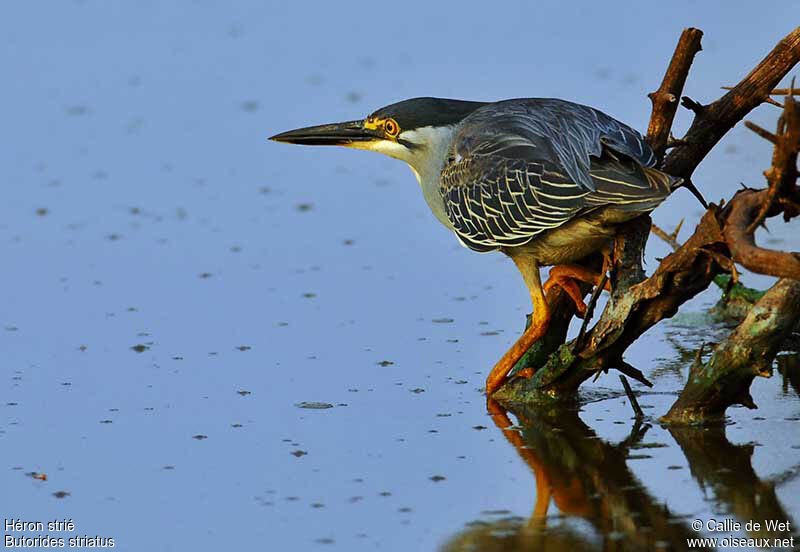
x,y
566,277
524,373
499,374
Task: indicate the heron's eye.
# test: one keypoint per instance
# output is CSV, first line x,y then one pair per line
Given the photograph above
x,y
391,128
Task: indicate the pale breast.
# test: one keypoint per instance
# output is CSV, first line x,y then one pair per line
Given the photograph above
x,y
576,239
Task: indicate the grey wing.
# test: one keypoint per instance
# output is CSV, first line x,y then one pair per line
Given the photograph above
x,y
513,175
565,133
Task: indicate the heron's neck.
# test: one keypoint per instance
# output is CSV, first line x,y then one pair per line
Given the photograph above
x,y
427,163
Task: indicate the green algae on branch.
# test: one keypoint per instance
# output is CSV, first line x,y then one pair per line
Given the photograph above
x,y
736,300
748,352
737,290
540,388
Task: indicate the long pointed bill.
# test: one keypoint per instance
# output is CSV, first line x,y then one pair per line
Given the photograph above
x,y
337,134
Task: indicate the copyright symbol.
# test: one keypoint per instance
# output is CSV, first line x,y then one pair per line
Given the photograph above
x,y
697,525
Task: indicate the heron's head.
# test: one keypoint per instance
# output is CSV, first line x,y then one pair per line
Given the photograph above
x,y
413,130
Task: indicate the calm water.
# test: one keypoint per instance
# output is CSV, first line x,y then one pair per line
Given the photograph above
x,y
180,297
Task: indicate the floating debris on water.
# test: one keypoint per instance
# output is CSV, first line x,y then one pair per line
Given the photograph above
x,y
249,105
314,405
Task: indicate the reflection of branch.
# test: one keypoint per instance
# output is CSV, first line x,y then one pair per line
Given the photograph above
x,y
637,410
727,469
786,476
789,369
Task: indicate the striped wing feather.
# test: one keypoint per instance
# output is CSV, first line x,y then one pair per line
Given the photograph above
x,y
520,168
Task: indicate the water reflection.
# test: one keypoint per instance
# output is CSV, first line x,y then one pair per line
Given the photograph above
x,y
726,470
601,504
789,369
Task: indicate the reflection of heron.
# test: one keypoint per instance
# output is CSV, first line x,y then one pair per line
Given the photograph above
x,y
547,182
588,479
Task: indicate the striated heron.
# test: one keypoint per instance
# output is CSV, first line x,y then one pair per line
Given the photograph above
x,y
545,181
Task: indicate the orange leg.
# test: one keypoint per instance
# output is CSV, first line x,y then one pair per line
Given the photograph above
x,y
565,276
541,319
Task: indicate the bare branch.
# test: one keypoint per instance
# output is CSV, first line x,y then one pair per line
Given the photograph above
x,y
764,133
783,92
743,211
665,99
673,142
782,175
720,116
767,99
671,239
697,107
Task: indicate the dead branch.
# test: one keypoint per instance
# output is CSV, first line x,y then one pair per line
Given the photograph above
x,y
743,211
782,175
719,117
767,99
783,92
665,99
751,348
671,239
764,133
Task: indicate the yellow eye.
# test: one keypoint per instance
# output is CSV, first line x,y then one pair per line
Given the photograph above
x,y
391,128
